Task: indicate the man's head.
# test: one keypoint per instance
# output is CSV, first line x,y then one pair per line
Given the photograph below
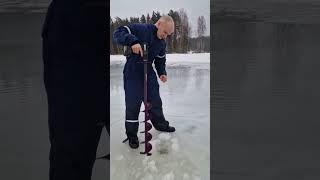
x,y
165,27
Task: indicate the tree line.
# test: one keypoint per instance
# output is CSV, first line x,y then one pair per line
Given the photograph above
x,y
179,42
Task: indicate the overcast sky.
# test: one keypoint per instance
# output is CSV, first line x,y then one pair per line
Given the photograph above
x,y
135,8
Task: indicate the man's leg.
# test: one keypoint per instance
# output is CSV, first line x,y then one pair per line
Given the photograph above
x,y
75,115
157,117
133,98
74,135
132,122
73,146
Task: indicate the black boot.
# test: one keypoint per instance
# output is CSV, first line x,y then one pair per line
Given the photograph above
x,y
165,128
133,142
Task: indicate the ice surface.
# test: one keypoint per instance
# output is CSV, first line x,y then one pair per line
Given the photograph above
x,y
182,155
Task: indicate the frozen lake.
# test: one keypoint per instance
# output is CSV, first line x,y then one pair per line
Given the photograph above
x,y
184,154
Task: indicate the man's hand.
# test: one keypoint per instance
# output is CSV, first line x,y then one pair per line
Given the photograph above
x,y
136,48
163,78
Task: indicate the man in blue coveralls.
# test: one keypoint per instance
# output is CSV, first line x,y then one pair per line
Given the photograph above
x,y
154,35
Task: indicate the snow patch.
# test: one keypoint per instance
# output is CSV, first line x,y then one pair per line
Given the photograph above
x,y
172,59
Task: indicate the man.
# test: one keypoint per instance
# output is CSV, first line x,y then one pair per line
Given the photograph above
x,y
76,79
154,36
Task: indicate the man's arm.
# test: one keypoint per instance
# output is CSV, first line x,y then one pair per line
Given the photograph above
x,y
123,36
160,63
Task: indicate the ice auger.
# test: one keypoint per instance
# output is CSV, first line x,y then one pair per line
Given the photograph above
x,y
147,105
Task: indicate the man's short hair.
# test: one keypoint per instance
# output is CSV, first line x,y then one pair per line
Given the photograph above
x,y
166,18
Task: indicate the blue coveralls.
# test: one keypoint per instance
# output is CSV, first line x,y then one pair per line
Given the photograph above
x,y
134,78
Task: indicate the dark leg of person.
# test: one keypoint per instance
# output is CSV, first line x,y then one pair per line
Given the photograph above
x,y
157,117
133,99
132,122
74,134
75,113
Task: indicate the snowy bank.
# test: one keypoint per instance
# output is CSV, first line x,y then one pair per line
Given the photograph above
x,y
172,59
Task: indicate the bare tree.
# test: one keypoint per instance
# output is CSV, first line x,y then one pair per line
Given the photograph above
x,y
184,31
202,27
173,39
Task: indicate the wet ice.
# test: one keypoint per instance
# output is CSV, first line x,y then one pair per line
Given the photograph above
x,y
182,155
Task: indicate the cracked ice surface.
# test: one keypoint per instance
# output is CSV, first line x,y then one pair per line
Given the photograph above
x,y
182,155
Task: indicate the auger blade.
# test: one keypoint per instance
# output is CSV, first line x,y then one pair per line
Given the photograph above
x,y
147,128
148,148
148,137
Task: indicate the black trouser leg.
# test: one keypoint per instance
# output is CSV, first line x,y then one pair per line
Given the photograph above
x,y
132,122
157,117
77,102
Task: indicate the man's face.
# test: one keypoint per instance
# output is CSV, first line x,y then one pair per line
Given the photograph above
x,y
164,30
